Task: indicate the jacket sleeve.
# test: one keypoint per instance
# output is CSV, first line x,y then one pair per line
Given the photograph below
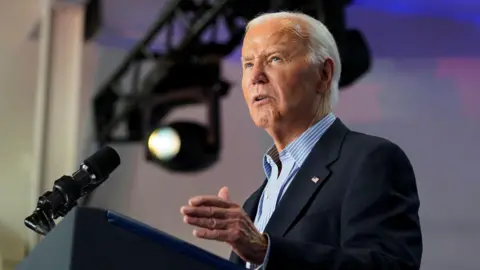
x,y
380,228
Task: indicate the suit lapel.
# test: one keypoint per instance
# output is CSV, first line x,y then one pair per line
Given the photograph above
x,y
308,181
251,204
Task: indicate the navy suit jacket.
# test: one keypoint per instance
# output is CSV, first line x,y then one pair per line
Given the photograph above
x,y
362,214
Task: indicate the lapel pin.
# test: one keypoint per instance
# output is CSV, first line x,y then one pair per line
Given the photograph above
x,y
315,179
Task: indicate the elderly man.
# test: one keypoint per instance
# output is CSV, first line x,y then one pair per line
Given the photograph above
x,y
333,198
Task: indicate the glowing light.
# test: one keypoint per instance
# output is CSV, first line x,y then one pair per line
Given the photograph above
x,y
164,143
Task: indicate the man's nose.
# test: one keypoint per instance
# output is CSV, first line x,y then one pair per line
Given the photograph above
x,y
258,75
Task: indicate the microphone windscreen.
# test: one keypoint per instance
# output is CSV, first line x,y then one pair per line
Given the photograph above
x,y
103,162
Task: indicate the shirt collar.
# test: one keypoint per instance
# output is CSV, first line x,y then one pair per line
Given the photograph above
x,y
301,147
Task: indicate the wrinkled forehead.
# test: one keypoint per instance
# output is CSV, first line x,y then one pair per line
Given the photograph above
x,y
285,32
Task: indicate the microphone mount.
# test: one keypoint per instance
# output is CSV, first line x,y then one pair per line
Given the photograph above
x,y
68,189
51,205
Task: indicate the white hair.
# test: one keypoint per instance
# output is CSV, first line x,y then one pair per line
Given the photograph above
x,y
321,44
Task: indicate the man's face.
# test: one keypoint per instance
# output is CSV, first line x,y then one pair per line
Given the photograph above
x,y
279,83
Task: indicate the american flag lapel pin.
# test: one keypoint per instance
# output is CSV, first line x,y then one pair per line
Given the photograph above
x,y
315,179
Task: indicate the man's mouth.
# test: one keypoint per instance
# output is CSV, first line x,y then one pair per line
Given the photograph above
x,y
260,98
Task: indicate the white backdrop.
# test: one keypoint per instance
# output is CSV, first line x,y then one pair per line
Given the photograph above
x,y
18,71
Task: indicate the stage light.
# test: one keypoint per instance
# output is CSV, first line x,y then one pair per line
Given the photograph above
x,y
164,143
181,146
355,56
354,51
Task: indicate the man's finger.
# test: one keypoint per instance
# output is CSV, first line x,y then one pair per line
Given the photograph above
x,y
210,201
207,223
207,212
218,235
223,193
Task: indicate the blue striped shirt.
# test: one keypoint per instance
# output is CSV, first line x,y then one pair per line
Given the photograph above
x,y
289,160
281,168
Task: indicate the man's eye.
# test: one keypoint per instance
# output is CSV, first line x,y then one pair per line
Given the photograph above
x,y
275,59
247,65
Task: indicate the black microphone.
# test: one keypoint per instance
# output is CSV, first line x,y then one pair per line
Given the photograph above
x,y
68,189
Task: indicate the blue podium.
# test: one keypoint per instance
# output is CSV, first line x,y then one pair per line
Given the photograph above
x,y
97,239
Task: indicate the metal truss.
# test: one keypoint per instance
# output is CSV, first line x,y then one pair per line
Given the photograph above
x,y
186,71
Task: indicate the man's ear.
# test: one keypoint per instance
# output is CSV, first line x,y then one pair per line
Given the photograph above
x,y
326,76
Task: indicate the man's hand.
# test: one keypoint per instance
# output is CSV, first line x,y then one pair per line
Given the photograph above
x,y
217,218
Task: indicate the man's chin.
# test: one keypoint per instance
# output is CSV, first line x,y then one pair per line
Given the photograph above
x,y
264,117
263,122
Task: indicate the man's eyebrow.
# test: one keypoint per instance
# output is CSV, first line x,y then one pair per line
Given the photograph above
x,y
276,49
246,58
273,50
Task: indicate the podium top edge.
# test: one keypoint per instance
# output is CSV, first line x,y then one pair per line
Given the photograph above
x,y
165,239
